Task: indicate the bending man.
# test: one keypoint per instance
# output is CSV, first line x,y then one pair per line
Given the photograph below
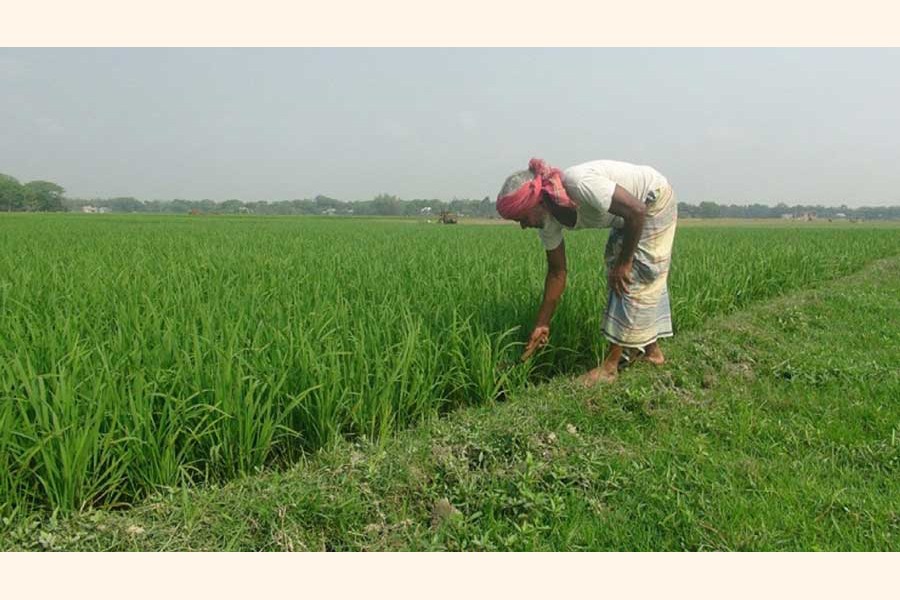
x,y
639,205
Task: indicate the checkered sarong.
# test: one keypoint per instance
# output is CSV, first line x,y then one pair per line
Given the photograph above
x,y
643,315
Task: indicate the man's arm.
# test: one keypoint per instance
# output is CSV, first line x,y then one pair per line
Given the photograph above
x,y
633,213
554,285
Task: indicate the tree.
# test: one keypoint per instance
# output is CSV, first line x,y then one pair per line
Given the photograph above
x,y
11,194
709,210
125,204
487,208
43,196
760,211
232,206
385,204
180,206
324,202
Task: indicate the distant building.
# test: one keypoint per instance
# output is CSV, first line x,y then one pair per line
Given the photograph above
x,y
104,210
787,216
840,216
425,211
88,209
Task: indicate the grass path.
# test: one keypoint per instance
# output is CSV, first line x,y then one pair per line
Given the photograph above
x,y
777,428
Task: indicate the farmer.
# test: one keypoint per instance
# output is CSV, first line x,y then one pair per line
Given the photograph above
x,y
639,205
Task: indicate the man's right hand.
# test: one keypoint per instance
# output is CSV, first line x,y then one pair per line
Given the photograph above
x,y
539,338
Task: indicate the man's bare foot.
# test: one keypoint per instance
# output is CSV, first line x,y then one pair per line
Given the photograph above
x,y
653,354
602,373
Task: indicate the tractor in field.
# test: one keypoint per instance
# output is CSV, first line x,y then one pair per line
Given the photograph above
x,y
447,218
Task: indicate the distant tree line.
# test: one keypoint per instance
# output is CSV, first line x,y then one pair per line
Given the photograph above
x,y
382,204
47,196
712,210
42,196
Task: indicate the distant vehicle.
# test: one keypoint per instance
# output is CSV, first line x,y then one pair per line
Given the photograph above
x,y
447,218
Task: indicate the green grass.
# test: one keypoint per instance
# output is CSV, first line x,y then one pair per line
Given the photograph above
x,y
140,354
775,428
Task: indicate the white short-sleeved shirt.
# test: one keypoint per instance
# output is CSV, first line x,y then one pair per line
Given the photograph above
x,y
591,186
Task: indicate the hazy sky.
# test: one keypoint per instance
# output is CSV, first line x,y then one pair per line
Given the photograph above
x,y
730,125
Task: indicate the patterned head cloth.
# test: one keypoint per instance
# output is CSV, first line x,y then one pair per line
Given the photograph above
x,y
516,203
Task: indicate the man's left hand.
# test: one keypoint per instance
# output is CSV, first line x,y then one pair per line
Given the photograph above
x,y
619,278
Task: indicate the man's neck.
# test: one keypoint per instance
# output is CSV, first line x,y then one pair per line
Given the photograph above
x,y
567,216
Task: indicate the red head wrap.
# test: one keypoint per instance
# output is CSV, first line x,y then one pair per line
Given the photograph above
x,y
547,180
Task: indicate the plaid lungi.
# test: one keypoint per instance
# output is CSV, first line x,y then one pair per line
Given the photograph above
x,y
643,315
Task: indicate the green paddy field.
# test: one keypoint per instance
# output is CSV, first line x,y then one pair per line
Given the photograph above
x,y
188,382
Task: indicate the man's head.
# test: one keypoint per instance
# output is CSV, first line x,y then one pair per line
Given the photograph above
x,y
524,194
531,217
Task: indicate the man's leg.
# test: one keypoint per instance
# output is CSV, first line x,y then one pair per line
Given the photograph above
x,y
654,354
607,371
